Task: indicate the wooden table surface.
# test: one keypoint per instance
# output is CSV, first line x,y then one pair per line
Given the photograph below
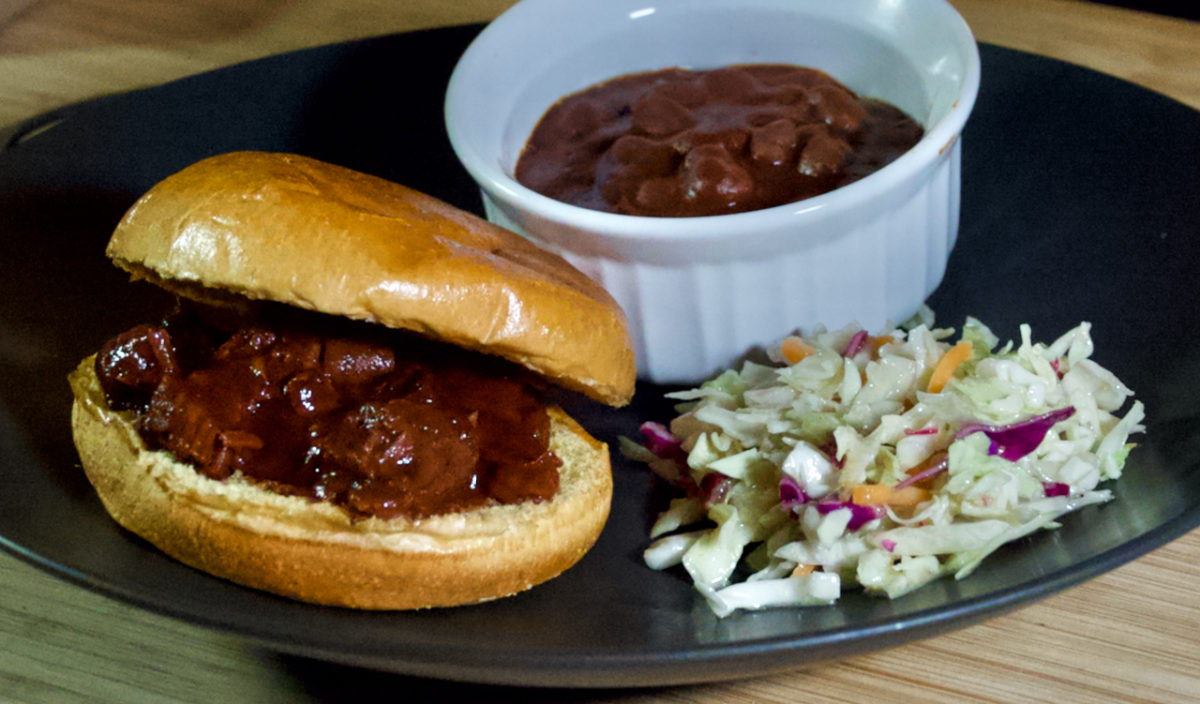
x,y
1130,635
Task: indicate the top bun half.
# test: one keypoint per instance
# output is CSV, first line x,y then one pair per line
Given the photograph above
x,y
294,230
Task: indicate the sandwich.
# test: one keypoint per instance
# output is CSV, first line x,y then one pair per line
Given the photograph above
x,y
353,402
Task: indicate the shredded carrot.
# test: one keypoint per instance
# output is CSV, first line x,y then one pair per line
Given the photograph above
x,y
937,458
884,495
803,569
944,370
794,349
871,494
908,496
877,342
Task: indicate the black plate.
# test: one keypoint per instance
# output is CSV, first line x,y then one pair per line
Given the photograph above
x,y
1079,204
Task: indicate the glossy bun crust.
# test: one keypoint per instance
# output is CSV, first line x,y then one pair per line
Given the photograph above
x,y
313,551
287,228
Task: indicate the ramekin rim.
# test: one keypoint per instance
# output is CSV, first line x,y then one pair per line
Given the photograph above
x,y
935,143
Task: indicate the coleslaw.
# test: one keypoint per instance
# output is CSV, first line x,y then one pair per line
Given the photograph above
x,y
883,461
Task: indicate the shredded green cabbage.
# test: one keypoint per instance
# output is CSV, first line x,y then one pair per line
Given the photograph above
x,y
837,429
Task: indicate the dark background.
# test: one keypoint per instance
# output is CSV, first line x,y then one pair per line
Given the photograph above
x,y
1188,9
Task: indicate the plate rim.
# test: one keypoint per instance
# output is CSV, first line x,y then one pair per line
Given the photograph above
x,y
917,625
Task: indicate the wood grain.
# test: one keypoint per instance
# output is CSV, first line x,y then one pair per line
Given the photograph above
x,y
1132,635
54,52
1157,52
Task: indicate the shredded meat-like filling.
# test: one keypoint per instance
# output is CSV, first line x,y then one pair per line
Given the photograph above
x,y
382,425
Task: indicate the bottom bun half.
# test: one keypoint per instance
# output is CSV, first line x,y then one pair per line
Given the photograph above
x,y
313,551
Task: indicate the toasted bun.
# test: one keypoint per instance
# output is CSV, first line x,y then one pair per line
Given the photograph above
x,y
287,228
312,551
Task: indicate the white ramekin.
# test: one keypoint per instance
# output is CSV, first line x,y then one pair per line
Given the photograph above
x,y
701,292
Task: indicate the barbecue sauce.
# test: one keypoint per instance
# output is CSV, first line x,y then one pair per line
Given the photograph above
x,y
382,425
678,143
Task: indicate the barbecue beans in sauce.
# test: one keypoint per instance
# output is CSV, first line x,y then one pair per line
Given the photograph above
x,y
679,143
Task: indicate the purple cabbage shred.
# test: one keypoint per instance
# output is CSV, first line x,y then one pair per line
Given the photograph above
x,y
859,515
714,487
856,343
659,440
1012,442
1056,489
791,494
